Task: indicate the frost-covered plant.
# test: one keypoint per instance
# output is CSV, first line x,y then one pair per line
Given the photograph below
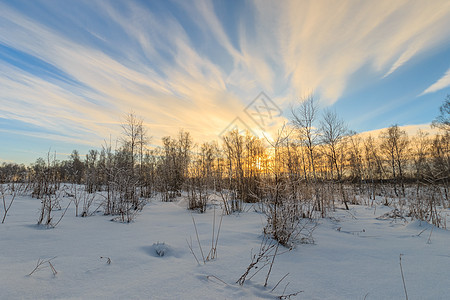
x,y
161,249
265,256
80,195
197,194
8,195
122,199
49,204
214,240
427,207
268,251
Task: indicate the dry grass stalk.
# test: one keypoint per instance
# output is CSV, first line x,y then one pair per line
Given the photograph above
x,y
403,277
41,264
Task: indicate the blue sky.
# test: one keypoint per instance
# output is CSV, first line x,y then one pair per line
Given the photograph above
x,y
71,70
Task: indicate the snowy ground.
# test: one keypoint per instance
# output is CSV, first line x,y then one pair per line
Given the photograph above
x,y
355,256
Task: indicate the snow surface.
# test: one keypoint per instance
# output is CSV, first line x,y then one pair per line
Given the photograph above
x,y
355,256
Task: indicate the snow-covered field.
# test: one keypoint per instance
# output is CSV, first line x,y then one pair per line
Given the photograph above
x,y
355,256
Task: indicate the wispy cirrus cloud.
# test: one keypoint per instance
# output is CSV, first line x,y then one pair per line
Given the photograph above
x,y
181,64
442,83
184,95
321,44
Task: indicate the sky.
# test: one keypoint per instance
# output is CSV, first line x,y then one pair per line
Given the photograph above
x,y
70,71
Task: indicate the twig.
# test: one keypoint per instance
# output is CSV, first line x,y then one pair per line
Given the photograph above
x,y
97,208
429,237
279,283
213,276
422,232
249,207
290,295
225,203
53,268
198,240
259,269
263,256
271,265
62,215
40,265
351,215
192,251
211,254
403,277
213,232
6,209
108,260
285,287
218,232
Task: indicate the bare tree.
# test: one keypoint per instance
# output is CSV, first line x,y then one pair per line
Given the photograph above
x,y
443,120
197,185
133,137
133,141
148,173
355,158
143,140
394,143
281,207
303,119
47,188
76,167
440,164
234,150
420,151
373,165
174,163
91,171
333,131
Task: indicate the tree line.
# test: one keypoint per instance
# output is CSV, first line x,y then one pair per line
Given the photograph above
x,y
309,166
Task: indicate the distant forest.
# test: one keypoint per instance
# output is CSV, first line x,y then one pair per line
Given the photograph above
x,y
310,166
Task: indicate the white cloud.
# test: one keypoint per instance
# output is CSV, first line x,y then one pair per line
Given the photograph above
x,y
411,130
189,95
442,83
321,44
159,70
